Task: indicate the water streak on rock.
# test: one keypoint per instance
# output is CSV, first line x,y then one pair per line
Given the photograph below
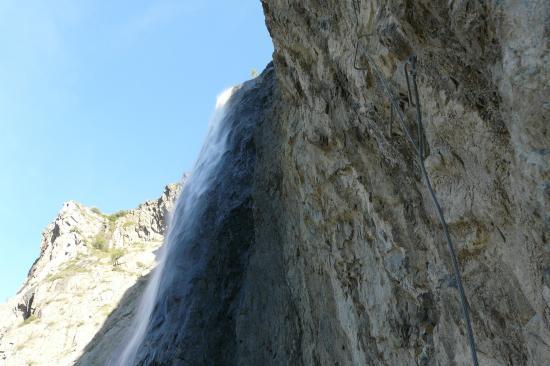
x,y
199,181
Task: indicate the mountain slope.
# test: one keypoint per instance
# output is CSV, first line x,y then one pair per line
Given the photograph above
x,y
87,263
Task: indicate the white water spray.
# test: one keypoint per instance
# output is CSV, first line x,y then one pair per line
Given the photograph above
x,y
200,179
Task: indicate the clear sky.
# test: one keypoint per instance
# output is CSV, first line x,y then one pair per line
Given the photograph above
x,y
104,102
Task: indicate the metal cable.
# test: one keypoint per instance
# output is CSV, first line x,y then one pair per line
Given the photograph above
x,y
419,149
458,276
392,98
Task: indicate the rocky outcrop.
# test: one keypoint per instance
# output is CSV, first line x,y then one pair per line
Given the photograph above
x,y
90,264
363,253
348,264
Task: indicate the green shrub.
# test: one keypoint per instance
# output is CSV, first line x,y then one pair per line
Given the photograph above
x,y
116,254
128,224
96,211
100,242
117,215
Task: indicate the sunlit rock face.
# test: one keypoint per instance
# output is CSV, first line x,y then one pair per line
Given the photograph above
x,y
86,281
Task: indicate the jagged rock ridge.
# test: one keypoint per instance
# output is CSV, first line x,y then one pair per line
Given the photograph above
x,y
87,263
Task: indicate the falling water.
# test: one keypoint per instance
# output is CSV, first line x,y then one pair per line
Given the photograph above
x,y
201,178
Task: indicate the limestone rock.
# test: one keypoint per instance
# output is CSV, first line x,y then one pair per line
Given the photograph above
x,y
89,263
364,256
348,264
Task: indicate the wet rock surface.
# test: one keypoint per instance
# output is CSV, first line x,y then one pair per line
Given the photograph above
x,y
201,292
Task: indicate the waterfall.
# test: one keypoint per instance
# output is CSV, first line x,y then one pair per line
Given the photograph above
x,y
201,178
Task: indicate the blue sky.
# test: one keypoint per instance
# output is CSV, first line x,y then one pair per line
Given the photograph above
x,y
104,102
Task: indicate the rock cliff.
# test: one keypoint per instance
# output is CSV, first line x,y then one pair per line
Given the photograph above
x,y
316,242
348,264
90,264
363,255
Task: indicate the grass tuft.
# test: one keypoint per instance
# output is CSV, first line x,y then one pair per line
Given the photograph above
x,y
29,320
71,268
117,215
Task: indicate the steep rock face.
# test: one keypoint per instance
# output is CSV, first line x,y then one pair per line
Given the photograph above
x,y
348,264
90,264
364,257
317,243
200,296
